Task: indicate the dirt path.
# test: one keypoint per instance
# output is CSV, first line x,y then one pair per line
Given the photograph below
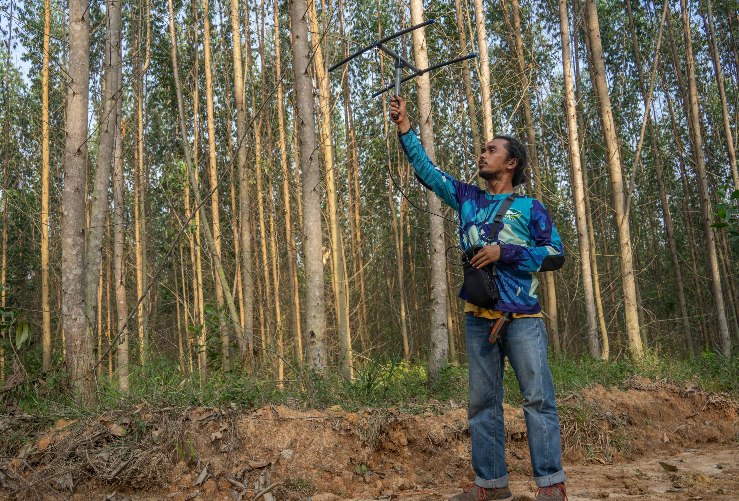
x,y
644,441
709,473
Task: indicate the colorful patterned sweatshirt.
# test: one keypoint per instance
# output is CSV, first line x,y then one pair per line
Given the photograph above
x,y
528,240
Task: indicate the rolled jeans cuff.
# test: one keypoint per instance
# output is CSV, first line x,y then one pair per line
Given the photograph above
x,y
496,483
547,480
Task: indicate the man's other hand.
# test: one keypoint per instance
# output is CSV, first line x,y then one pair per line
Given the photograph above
x,y
399,114
485,256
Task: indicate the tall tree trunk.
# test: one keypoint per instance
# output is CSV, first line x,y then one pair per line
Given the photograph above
x,y
439,340
616,179
471,104
266,310
6,171
45,168
292,250
274,259
397,228
603,329
108,126
485,89
705,201
187,317
213,176
177,298
99,330
108,281
140,189
200,287
687,201
338,275
237,289
578,186
247,342
79,358
315,322
118,273
718,72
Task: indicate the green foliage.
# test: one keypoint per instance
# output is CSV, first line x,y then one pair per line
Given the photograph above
x,y
393,384
727,216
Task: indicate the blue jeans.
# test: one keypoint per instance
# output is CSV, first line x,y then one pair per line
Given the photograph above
x,y
525,345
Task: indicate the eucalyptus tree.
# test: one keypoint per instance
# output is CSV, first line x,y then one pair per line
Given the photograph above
x,y
528,83
459,11
213,178
485,88
439,339
338,265
315,315
703,192
247,342
719,76
579,195
108,125
119,275
45,167
616,180
289,238
79,348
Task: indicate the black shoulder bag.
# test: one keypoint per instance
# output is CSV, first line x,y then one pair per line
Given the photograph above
x,y
479,285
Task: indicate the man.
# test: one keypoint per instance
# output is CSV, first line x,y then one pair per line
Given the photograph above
x,y
525,242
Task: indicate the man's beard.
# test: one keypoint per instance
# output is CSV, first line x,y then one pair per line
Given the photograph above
x,y
488,175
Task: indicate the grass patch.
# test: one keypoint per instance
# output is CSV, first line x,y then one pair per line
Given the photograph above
x,y
398,384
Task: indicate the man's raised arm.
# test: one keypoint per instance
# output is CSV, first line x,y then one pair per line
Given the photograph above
x,y
441,183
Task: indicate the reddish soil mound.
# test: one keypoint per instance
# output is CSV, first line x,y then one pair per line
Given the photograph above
x,y
214,454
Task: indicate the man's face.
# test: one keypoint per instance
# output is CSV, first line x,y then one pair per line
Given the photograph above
x,y
494,160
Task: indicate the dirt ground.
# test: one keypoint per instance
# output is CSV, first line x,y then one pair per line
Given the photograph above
x,y
647,441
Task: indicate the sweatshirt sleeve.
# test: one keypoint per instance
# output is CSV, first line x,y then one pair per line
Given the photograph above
x,y
438,181
547,253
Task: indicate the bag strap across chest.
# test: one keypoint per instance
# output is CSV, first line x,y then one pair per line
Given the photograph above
x,y
501,212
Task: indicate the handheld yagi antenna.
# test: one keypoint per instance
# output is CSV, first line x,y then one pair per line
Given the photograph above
x,y
400,61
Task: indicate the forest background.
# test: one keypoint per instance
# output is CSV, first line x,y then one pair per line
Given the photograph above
x,y
189,197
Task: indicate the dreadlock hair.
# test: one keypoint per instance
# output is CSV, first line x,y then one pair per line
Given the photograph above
x,y
518,151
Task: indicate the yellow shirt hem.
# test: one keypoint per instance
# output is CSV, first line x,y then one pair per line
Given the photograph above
x,y
494,314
